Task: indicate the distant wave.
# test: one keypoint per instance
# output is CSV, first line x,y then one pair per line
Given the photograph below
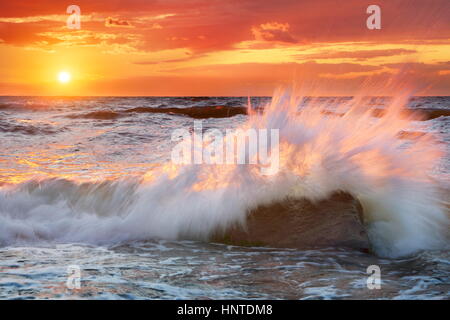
x,y
193,112
225,110
24,106
98,115
196,112
206,112
430,114
419,114
28,129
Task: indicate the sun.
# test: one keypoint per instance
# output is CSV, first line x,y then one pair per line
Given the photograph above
x,y
64,77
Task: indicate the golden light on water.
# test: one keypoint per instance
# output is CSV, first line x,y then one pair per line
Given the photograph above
x,y
64,77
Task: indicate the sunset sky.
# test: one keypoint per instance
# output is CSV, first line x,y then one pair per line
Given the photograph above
x,y
220,47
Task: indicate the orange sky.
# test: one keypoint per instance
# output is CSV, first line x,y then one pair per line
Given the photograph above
x,y
226,47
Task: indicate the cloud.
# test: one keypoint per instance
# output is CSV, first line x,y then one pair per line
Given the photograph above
x,y
421,68
279,71
54,17
112,22
359,54
270,34
166,24
273,31
188,57
26,34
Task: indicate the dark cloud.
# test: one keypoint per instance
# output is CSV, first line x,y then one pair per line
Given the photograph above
x,y
111,22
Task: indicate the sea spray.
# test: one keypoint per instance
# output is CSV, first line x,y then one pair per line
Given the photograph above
x,y
323,149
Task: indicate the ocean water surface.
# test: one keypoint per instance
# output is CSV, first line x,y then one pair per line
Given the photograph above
x,y
87,181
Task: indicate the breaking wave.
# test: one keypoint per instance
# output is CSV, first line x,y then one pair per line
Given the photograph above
x,y
320,154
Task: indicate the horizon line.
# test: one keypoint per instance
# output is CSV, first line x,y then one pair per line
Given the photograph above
x,y
199,96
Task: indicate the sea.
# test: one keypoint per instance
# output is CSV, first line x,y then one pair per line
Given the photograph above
x,y
89,191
